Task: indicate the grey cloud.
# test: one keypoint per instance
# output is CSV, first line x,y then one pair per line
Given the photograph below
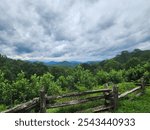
x,y
22,50
72,29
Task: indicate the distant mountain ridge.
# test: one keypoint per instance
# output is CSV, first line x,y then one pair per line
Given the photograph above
x,y
125,57
63,63
124,60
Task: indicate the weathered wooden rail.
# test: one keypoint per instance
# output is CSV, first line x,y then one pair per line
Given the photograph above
x,y
109,97
47,102
24,107
129,92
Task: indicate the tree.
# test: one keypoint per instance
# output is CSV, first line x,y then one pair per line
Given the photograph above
x,y
35,86
116,76
5,90
21,88
135,73
132,63
102,77
62,81
112,64
51,87
83,78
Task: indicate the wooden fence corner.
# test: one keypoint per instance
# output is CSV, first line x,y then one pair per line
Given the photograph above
x,y
115,97
42,101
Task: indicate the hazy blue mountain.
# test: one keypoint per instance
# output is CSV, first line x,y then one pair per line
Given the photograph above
x,y
63,63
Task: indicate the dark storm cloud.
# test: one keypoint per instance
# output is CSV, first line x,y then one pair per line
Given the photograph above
x,y
22,49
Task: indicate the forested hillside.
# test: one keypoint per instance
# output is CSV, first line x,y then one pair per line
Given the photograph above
x,y
124,60
12,67
21,81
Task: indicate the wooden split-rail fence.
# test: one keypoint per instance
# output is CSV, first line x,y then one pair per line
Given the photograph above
x,y
110,98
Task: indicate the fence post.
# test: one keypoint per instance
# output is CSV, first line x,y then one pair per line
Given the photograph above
x,y
142,85
42,101
106,96
115,97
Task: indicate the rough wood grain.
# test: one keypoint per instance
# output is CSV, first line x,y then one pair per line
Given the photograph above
x,y
75,102
97,109
115,97
102,108
128,92
23,107
78,94
42,101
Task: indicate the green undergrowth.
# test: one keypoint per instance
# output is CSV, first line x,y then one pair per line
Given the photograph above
x,y
76,108
2,107
125,86
80,107
129,104
133,104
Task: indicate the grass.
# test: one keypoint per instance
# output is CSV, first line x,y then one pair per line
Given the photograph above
x,y
2,107
75,108
80,107
125,86
134,104
130,104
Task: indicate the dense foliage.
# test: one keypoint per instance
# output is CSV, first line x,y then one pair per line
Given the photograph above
x,y
21,81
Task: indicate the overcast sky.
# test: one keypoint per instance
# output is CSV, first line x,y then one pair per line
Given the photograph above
x,y
82,30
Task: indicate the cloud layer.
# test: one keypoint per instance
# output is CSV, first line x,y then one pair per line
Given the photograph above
x,y
82,30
